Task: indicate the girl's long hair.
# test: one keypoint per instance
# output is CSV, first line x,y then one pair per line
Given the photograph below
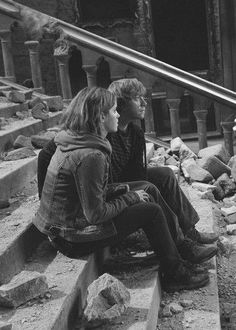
x,y
84,112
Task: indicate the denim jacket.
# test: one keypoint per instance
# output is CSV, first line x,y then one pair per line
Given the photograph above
x,y
74,203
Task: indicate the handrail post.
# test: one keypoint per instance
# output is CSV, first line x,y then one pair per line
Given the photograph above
x,y
62,60
200,116
228,135
33,47
173,106
91,71
5,36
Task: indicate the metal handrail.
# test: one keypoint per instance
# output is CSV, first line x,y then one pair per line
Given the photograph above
x,y
139,60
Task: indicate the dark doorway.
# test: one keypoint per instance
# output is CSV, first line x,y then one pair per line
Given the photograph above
x,y
103,73
78,79
180,32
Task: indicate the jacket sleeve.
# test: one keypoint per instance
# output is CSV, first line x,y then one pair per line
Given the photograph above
x,y
91,179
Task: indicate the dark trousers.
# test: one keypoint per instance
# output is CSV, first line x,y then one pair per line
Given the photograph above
x,y
153,218
164,179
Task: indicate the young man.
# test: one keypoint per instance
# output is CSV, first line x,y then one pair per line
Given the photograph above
x,y
128,151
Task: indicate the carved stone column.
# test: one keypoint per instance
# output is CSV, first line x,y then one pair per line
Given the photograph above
x,y
228,136
33,47
201,127
91,71
9,71
64,76
173,106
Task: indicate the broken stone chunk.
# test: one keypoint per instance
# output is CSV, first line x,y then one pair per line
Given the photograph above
x,y
195,172
175,308
20,154
228,210
203,186
231,229
228,186
186,303
23,287
217,150
107,298
186,153
22,141
40,111
175,144
214,165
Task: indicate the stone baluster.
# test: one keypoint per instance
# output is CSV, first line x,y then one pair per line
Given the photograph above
x,y
5,36
227,127
64,76
173,101
200,116
33,47
91,71
201,105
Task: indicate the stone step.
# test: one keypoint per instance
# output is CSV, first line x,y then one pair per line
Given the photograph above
x,y
23,248
16,174
9,109
27,127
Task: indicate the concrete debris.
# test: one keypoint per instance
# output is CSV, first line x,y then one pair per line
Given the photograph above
x,y
214,165
40,111
228,210
23,287
231,229
22,141
186,303
175,144
195,172
203,187
218,150
19,154
107,298
175,308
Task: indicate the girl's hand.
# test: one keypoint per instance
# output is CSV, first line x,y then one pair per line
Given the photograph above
x,y
143,196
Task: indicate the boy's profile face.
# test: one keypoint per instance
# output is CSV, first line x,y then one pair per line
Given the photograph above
x,y
136,107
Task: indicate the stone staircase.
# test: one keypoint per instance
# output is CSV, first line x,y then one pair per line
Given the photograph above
x,y
23,248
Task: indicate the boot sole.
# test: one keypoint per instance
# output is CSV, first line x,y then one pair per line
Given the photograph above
x,y
178,287
209,256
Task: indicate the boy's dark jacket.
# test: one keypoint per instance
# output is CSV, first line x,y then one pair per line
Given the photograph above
x,y
74,202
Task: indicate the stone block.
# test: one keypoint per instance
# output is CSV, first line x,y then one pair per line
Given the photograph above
x,y
40,140
231,229
34,101
175,308
18,96
195,172
185,153
228,186
5,326
22,141
107,298
217,150
55,103
19,154
175,144
40,111
228,210
203,186
231,218
23,287
158,160
214,165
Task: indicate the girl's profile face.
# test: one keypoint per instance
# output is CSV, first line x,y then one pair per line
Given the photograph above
x,y
110,122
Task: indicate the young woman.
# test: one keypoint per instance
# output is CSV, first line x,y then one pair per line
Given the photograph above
x,y
79,211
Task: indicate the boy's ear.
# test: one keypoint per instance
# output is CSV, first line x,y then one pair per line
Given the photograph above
x,y
102,117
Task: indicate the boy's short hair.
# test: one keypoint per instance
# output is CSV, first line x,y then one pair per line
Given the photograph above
x,y
125,90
